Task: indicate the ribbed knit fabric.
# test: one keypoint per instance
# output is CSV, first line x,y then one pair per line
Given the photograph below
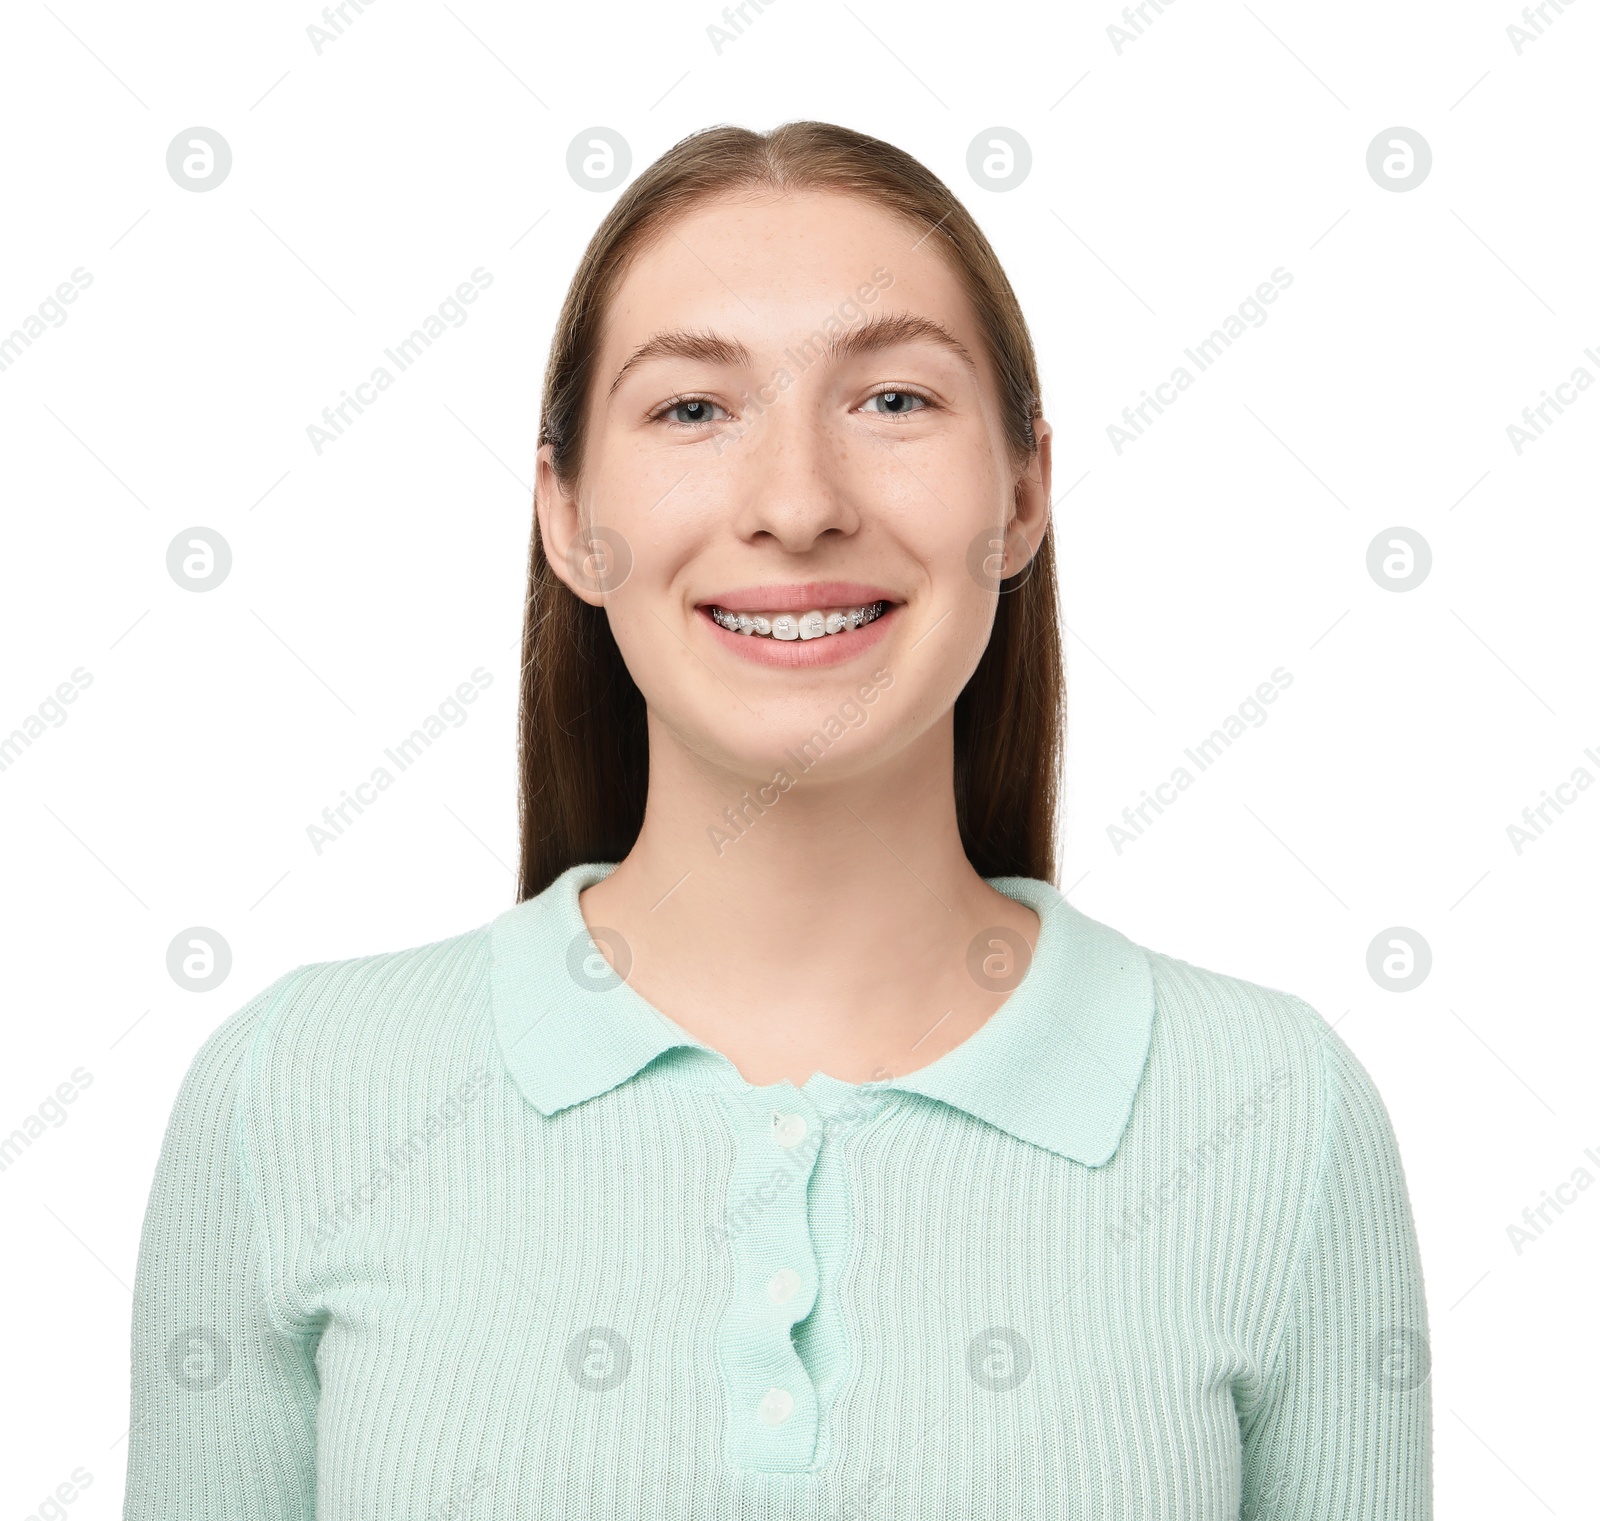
x,y
470,1231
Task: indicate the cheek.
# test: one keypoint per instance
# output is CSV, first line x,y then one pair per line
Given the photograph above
x,y
972,623
962,560
655,542
656,517
941,494
666,675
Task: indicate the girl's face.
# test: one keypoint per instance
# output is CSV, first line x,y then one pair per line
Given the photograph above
x,y
792,412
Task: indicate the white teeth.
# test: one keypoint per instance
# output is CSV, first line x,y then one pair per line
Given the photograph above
x,y
814,624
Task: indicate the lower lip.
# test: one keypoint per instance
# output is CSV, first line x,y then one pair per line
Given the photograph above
x,y
810,654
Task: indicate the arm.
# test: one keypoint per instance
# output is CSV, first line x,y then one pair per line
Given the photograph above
x,y
223,1396
1342,1426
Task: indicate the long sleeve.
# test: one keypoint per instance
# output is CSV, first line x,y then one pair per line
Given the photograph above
x,y
1343,1423
224,1398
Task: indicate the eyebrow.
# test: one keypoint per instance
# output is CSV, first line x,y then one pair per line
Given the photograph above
x,y
882,331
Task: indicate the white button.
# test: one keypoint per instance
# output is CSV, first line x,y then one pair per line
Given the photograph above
x,y
780,1290
789,1129
775,1408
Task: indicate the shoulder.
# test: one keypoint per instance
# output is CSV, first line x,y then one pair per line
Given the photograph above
x,y
1253,1070
392,996
401,1024
1249,1111
204,1109
350,1069
1217,1021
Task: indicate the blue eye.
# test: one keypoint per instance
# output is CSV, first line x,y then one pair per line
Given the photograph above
x,y
697,409
899,403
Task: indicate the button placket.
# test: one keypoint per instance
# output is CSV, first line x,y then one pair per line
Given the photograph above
x,y
771,1401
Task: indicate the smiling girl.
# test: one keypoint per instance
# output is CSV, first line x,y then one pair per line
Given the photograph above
x,y
792,1148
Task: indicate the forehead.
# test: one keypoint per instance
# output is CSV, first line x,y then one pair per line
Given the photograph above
x,y
767,265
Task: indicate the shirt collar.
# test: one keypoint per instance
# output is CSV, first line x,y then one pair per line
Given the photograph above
x,y
1056,1065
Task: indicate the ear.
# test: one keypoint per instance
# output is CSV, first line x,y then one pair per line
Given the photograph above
x,y
1030,517
562,530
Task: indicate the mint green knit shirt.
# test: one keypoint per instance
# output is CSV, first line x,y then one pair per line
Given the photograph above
x,y
470,1231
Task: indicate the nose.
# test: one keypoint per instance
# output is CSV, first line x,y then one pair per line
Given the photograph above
x,y
792,479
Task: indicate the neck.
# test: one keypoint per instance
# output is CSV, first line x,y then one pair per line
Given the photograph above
x,y
810,922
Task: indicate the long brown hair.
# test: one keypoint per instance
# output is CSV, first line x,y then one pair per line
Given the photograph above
x,y
583,747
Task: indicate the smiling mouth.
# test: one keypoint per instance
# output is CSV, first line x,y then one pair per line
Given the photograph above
x,y
818,623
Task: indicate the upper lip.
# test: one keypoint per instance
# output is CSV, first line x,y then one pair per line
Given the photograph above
x,y
798,597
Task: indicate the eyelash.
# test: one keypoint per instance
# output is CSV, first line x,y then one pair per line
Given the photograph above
x,y
660,414
927,401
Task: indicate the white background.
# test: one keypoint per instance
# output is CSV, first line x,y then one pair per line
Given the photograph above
x,y
1168,180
